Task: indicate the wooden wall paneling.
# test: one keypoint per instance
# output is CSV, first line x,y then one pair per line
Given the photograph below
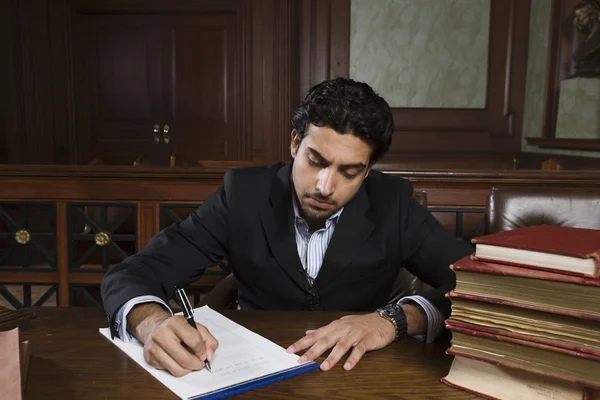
x,y
274,83
559,61
261,84
245,141
35,78
62,253
7,81
325,41
148,222
65,146
305,44
534,161
339,60
286,75
493,129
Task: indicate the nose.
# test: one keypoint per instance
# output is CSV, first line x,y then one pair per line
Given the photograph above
x,y
325,183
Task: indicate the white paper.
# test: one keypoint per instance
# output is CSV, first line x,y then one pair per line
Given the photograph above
x,y
242,356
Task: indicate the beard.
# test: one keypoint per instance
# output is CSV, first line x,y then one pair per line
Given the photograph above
x,y
313,213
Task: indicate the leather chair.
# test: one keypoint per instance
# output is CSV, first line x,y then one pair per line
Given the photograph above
x,y
224,294
511,207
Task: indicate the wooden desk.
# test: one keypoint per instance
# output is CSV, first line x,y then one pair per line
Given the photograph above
x,y
71,360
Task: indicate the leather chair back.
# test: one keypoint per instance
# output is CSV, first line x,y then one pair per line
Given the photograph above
x,y
511,207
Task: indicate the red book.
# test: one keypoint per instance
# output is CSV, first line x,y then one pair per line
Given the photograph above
x,y
567,250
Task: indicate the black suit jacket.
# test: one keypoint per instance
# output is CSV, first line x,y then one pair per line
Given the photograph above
x,y
251,220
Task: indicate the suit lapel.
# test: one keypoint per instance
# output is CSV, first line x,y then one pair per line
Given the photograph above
x,y
351,231
277,218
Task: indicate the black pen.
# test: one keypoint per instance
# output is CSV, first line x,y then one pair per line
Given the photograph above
x,y
188,313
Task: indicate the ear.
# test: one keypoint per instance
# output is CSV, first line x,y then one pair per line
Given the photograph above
x,y
295,143
368,170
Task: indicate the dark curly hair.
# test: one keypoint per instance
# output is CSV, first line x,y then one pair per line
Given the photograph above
x,y
347,106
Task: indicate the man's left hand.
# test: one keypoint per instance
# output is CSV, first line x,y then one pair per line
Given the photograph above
x,y
361,333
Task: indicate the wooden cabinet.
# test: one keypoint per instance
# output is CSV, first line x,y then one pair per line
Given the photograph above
x,y
150,80
89,79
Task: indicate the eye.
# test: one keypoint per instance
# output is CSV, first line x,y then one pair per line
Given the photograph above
x,y
349,175
314,162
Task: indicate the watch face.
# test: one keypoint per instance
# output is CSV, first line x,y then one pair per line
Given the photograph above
x,y
391,309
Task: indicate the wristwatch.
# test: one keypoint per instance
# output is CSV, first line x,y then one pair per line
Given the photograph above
x,y
395,314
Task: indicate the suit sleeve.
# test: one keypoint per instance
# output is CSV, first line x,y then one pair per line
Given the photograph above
x,y
177,256
428,249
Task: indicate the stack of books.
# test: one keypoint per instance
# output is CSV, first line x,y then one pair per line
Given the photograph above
x,y
525,318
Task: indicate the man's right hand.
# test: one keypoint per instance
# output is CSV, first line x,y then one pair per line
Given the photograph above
x,y
163,337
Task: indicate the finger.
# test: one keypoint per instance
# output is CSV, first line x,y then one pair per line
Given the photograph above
x,y
340,349
308,332
170,343
321,346
190,336
158,358
210,342
181,355
357,352
310,339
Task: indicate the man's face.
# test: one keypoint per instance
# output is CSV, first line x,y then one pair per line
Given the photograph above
x,y
328,170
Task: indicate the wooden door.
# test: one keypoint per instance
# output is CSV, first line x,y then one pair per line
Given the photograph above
x,y
117,86
202,75
137,70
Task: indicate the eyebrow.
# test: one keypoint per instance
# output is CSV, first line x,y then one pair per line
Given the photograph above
x,y
360,166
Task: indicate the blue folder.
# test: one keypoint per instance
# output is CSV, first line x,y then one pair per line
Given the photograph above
x,y
258,382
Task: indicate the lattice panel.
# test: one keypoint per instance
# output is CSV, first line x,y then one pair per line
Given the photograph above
x,y
172,213
101,235
87,295
19,295
27,236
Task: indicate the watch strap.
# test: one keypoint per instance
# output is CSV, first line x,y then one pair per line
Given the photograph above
x,y
395,314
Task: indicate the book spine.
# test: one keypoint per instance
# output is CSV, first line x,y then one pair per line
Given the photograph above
x,y
503,338
464,389
587,317
536,339
508,364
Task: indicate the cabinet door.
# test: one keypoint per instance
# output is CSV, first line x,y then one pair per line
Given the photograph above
x,y
203,80
117,85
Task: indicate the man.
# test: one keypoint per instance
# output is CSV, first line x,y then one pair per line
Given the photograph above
x,y
324,233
